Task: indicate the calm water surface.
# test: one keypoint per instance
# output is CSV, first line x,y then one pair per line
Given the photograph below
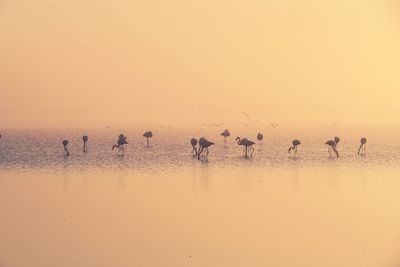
x,y
158,206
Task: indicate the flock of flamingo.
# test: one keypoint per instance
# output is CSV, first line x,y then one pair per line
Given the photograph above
x,y
201,146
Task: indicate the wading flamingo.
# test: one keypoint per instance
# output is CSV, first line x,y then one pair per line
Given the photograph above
x,y
260,138
248,146
362,148
226,134
332,146
204,144
295,143
85,139
120,143
148,135
193,141
65,144
337,140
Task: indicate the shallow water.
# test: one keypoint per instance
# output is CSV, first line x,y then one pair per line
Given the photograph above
x,y
159,206
24,150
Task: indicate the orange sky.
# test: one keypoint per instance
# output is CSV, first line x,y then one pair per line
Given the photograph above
x,y
96,63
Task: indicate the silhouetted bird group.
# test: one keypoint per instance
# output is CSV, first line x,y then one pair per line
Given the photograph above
x,y
120,145
200,148
248,149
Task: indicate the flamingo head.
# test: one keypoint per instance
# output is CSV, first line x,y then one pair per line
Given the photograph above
x,y
193,141
337,139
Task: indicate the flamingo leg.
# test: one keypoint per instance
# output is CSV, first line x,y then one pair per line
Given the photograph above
x,y
199,152
337,153
66,151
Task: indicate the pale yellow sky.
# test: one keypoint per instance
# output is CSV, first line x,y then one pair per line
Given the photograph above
x,y
96,63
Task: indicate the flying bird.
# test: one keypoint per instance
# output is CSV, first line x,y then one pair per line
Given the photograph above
x,y
295,143
216,124
362,148
245,114
274,125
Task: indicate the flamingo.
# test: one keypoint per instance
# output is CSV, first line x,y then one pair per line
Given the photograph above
x,y
295,143
148,135
65,144
332,146
248,145
193,141
120,143
260,137
204,144
226,134
337,140
85,138
363,142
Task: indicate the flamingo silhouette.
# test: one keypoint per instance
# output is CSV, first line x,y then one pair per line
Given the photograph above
x,y
362,148
193,141
85,139
226,134
248,146
148,135
65,144
260,138
337,140
204,144
120,143
295,143
332,146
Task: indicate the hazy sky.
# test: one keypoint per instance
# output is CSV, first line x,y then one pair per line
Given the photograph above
x,y
96,63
